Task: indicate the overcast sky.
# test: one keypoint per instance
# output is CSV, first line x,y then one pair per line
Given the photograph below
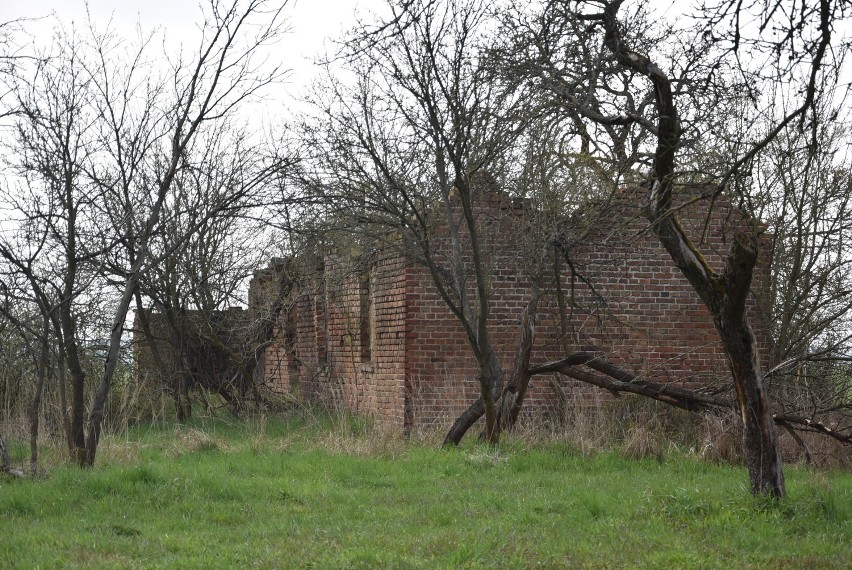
x,y
310,21
313,24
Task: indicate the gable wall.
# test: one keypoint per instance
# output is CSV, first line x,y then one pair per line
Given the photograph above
x,y
630,302
637,306
643,316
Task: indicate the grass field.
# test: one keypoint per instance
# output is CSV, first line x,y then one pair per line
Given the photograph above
x,y
287,495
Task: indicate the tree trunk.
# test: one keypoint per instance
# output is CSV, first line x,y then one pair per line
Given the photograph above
x,y
78,405
5,462
176,397
516,390
507,402
491,388
184,394
63,400
96,414
464,422
763,459
78,382
35,408
762,456
724,295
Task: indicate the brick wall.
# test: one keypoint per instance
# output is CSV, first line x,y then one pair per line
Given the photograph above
x,y
441,369
185,349
636,305
366,333
370,333
621,292
340,338
148,371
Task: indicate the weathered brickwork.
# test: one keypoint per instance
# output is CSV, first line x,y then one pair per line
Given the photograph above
x,y
366,329
374,336
148,369
635,304
441,369
340,337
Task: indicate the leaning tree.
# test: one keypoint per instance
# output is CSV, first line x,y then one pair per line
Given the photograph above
x,y
677,96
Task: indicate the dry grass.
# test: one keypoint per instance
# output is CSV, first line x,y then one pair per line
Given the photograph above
x,y
361,438
642,428
188,440
641,442
116,449
720,438
817,450
636,427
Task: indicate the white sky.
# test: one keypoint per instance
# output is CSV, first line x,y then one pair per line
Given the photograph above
x,y
313,25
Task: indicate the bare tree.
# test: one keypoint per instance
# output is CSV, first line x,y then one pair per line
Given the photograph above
x,y
210,243
724,294
53,141
805,200
11,56
35,335
803,191
710,61
402,151
102,143
223,75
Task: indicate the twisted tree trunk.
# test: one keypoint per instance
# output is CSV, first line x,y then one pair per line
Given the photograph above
x,y
724,295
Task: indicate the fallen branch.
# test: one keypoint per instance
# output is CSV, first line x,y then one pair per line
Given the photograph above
x,y
806,424
617,380
610,377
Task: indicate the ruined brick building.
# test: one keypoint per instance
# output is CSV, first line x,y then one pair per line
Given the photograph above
x,y
369,333
182,350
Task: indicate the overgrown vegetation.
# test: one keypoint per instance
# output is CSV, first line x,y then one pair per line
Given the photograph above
x,y
565,99
323,491
131,179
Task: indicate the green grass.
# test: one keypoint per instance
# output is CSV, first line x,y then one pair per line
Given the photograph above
x,y
284,495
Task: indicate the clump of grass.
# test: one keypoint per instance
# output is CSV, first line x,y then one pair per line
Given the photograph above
x,y
721,441
119,449
189,439
487,456
642,442
358,436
